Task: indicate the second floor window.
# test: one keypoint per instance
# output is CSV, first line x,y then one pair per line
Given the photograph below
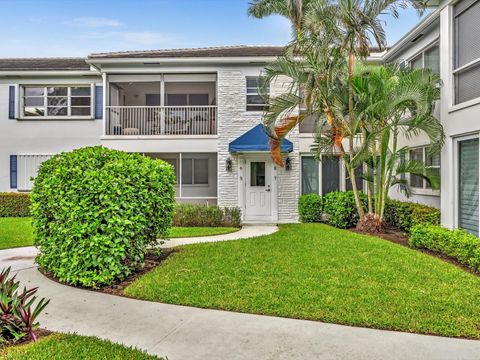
x,y
466,68
255,100
57,101
422,155
427,59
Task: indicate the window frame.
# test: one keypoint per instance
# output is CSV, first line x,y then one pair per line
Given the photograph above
x,y
456,168
343,176
193,159
425,189
421,53
255,93
460,69
69,106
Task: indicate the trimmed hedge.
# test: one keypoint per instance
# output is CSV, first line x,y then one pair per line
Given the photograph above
x,y
340,209
189,215
14,204
96,211
404,215
457,244
310,208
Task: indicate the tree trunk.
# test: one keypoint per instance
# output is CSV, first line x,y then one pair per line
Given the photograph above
x,y
371,223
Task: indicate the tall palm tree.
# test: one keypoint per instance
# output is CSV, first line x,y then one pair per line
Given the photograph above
x,y
351,26
389,102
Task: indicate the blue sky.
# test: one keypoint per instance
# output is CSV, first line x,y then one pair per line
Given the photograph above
x,y
80,27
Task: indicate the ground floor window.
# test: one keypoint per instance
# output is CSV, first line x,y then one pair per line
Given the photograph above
x,y
24,168
328,175
196,175
468,192
422,154
309,175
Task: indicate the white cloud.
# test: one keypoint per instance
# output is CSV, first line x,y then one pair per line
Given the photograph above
x,y
93,22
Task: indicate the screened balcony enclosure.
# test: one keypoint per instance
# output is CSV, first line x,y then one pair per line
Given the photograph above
x,y
149,105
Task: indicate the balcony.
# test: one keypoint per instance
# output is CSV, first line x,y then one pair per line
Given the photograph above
x,y
156,105
161,120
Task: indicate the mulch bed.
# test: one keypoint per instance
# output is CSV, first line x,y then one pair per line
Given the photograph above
x,y
391,234
151,261
399,237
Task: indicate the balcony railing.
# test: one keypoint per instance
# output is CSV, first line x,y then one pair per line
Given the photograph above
x,y
161,120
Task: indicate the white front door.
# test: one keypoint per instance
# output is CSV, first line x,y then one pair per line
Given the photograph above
x,y
258,190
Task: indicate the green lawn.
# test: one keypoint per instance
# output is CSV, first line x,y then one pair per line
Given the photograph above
x,y
65,347
313,271
178,232
15,232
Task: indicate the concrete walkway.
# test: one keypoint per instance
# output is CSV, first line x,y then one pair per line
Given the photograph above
x,y
180,332
244,233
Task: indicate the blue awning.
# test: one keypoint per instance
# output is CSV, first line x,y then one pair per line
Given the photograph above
x,y
256,139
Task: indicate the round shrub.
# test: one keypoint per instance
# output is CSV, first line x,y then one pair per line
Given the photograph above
x,y
340,209
96,211
310,208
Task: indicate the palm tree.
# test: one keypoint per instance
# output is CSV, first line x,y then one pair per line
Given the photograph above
x,y
349,26
389,102
291,9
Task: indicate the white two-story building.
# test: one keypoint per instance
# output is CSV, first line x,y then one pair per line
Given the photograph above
x,y
199,109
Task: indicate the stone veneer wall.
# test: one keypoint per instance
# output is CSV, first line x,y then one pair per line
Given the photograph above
x,y
233,121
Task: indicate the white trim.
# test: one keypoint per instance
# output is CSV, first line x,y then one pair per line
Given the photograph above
x,y
157,137
33,73
169,60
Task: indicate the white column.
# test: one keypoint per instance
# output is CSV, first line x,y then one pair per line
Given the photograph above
x,y
180,175
162,104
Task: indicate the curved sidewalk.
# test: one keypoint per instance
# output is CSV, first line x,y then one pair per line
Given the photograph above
x,y
181,332
247,231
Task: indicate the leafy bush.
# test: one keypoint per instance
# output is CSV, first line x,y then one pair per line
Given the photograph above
x,y
405,215
96,210
14,204
189,215
340,209
457,244
17,311
310,208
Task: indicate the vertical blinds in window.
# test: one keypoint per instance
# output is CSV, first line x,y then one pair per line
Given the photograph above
x,y
467,28
330,174
467,50
309,175
468,185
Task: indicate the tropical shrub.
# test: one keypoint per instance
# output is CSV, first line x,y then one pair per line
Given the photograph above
x,y
310,208
14,204
18,313
457,244
404,215
190,215
340,209
96,211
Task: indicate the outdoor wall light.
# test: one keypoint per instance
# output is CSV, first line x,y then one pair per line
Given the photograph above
x,y
228,164
288,164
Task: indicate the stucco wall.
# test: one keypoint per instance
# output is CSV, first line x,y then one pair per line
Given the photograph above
x,y
41,137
